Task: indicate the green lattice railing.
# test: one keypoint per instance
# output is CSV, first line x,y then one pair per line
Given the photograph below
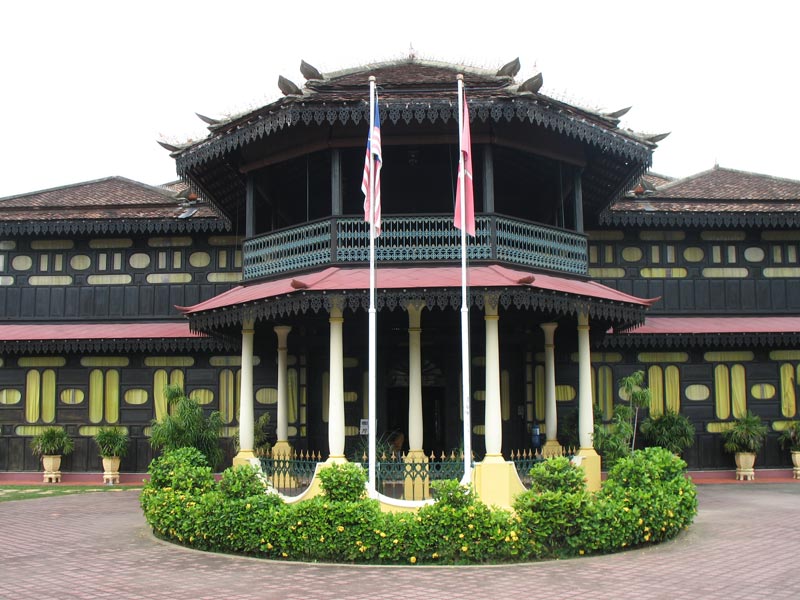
x,y
343,240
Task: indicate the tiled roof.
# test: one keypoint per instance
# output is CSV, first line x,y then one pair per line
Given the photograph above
x,y
725,197
730,184
113,199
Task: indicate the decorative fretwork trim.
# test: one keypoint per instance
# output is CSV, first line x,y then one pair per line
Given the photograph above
x,y
521,109
210,344
704,219
705,340
112,226
282,307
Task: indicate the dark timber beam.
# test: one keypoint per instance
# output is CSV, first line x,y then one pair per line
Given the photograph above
x,y
249,210
336,181
488,179
578,196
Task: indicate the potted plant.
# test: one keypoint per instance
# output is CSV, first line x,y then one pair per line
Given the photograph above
x,y
112,443
671,430
790,437
745,438
51,444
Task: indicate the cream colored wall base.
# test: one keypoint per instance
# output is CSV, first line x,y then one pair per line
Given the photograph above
x,y
282,450
243,458
552,449
496,483
590,463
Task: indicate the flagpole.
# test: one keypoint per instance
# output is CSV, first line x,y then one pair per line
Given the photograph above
x,y
465,358
372,421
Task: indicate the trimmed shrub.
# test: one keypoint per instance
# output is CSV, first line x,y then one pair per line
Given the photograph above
x,y
343,483
646,499
242,482
184,469
557,475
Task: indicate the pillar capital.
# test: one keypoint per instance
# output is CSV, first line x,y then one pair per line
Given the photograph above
x,y
491,303
282,331
336,307
549,332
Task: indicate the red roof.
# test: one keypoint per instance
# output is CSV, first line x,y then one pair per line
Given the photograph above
x,y
710,325
96,331
338,279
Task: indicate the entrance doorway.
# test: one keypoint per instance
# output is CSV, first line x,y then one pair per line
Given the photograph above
x,y
433,439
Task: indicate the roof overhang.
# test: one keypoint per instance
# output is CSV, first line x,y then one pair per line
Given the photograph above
x,y
105,337
676,332
439,287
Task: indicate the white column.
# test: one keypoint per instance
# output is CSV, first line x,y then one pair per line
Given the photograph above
x,y
282,331
550,414
585,415
246,396
493,422
415,426
336,384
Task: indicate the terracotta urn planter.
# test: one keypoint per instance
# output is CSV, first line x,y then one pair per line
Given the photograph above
x,y
111,469
52,468
796,463
744,466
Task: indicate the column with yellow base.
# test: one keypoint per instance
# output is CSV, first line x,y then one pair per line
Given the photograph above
x,y
496,482
246,455
587,456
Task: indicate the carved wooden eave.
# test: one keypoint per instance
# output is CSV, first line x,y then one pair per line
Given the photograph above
x,y
703,340
301,302
204,344
777,220
113,226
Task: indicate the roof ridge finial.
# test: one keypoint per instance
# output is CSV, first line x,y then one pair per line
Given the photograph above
x,y
412,54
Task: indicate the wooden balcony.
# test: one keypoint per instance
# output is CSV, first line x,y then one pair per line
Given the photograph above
x,y
344,240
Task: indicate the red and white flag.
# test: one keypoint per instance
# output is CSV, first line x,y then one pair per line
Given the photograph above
x,y
465,167
371,186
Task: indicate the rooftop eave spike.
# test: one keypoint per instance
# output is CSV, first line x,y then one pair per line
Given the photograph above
x,y
657,137
309,71
617,113
208,120
289,88
509,69
168,146
532,85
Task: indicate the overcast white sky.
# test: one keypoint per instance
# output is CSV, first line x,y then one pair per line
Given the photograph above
x,y
86,88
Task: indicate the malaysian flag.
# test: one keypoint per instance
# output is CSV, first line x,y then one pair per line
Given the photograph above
x,y
372,165
465,165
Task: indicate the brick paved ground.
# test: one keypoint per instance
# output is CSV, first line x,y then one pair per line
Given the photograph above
x,y
744,544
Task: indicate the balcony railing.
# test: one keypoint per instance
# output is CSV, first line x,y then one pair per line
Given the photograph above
x,y
345,240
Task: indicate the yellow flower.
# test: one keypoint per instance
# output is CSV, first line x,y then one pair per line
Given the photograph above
x,y
395,541
358,542
362,549
247,506
322,538
383,534
435,555
413,560
470,526
464,548
340,529
284,555
269,546
640,521
581,552
461,536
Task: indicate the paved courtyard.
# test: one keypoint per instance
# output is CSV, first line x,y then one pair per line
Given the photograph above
x,y
744,544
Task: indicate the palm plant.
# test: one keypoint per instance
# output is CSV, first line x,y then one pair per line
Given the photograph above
x,y
671,430
186,425
52,441
111,441
746,435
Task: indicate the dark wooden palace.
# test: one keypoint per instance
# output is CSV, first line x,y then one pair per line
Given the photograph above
x,y
111,289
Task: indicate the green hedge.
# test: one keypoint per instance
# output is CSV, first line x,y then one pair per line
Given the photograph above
x,y
646,499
